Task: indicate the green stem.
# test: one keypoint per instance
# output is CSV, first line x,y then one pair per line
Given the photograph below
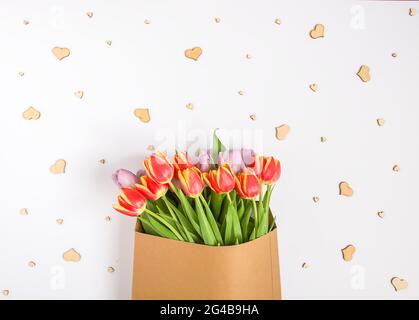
x,y
170,209
173,188
255,212
168,225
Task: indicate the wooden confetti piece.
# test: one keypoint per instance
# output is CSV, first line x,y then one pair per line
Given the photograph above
x,y
58,167
348,252
109,42
71,255
317,31
146,21
313,87
412,12
193,53
316,199
31,264
282,131
217,20
21,73
396,168
189,106
345,189
399,284
305,265
241,93
151,148
5,292
380,214
108,218
394,55
323,139
102,161
60,53
23,212
79,94
380,122
111,269
248,56
252,117
278,21
31,114
25,22
364,73
89,14
143,114
59,221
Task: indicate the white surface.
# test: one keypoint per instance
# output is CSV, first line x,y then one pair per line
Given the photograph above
x,y
145,67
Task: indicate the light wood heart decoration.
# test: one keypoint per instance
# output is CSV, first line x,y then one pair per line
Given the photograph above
x,y
282,131
399,284
31,114
348,252
60,53
143,114
345,189
71,255
58,167
193,53
364,73
317,31
314,87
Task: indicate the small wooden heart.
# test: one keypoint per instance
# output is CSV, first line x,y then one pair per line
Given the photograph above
x,y
79,94
193,53
71,255
412,12
317,31
399,284
89,14
60,53
380,122
345,189
313,87
31,114
58,167
143,114
364,73
282,131
348,252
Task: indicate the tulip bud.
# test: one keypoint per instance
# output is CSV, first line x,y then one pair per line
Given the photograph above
x,y
220,180
191,182
130,202
159,168
124,178
151,189
271,170
247,184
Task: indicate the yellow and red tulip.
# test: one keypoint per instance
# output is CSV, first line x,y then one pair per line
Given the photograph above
x,y
130,202
221,180
151,189
190,180
247,184
271,170
181,161
159,168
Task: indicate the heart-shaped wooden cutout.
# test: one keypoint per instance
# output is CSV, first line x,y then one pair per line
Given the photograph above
x,y
193,53
31,114
313,87
58,167
345,189
364,73
412,12
348,252
79,94
143,114
89,14
61,53
399,284
71,255
282,131
317,31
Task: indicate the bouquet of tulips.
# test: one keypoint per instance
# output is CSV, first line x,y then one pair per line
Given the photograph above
x,y
220,197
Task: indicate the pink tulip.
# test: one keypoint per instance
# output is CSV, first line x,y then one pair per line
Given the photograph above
x,y
125,178
238,159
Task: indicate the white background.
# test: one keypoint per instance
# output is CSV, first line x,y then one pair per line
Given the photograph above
x,y
145,67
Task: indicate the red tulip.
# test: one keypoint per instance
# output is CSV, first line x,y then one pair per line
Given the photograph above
x,y
130,202
247,184
221,180
257,165
271,170
151,189
159,168
181,161
191,182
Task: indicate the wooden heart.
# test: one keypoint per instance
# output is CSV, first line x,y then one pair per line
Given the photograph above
x,y
399,284
317,31
58,167
143,114
61,53
348,252
193,53
364,73
345,189
71,256
31,114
